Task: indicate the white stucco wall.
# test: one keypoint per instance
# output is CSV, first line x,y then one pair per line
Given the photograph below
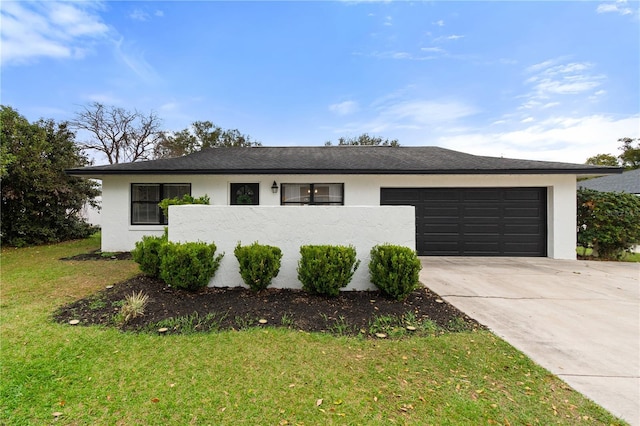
x,y
359,190
289,228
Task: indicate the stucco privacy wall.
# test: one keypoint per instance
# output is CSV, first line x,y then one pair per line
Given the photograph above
x,y
289,228
359,190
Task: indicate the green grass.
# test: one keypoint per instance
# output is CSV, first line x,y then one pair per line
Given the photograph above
x,y
631,257
99,375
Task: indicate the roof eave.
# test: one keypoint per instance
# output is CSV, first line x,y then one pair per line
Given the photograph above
x,y
581,172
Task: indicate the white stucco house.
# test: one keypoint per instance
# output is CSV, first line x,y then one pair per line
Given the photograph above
x,y
458,204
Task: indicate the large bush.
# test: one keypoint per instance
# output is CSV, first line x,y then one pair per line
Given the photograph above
x,y
394,270
259,264
608,222
40,203
147,254
325,269
188,265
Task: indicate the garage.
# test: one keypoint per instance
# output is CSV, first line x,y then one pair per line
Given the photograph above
x,y
476,221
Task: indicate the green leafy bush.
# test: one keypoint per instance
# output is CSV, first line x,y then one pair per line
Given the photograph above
x,y
188,265
608,222
394,270
186,199
259,264
324,269
147,254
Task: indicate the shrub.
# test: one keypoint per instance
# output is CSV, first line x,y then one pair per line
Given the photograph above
x,y
147,254
608,222
188,265
259,264
324,269
132,307
394,270
186,199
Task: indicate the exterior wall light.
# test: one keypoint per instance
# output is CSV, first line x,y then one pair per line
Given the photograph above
x,y
274,187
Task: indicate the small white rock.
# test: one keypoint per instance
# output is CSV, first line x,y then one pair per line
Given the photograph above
x,y
411,328
381,335
74,322
262,321
439,301
163,330
109,287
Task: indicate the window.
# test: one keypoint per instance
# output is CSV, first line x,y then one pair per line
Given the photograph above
x,y
323,194
146,196
245,194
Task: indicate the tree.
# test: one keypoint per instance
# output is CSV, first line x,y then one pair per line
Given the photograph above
x,y
603,160
629,159
365,139
121,135
630,156
40,203
609,222
201,135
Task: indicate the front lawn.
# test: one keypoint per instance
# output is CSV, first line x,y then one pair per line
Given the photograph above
x,y
100,375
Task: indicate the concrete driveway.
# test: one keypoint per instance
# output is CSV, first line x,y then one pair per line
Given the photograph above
x,y
580,320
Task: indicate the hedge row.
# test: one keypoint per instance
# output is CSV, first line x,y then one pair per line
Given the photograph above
x,y
322,269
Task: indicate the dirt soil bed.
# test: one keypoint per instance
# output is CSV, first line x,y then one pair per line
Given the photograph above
x,y
351,313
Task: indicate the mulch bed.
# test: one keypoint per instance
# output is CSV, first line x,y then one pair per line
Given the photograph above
x,y
351,313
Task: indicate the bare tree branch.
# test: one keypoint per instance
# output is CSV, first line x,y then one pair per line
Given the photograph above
x,y
121,135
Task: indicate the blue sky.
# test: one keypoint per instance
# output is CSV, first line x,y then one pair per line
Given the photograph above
x,y
537,80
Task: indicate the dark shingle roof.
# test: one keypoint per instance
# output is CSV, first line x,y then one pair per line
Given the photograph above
x,y
625,182
339,160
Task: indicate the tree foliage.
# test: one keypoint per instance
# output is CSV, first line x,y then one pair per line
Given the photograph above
x,y
365,140
629,159
609,222
121,135
201,135
603,160
40,203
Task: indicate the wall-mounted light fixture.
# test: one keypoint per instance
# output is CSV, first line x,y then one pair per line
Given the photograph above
x,y
274,187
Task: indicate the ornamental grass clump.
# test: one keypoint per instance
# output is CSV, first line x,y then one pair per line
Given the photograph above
x,y
394,270
259,264
132,307
325,269
147,254
188,265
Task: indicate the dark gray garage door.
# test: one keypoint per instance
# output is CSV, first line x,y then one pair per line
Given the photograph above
x,y
476,221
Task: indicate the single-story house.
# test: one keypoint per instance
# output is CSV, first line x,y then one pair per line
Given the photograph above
x,y
628,181
465,205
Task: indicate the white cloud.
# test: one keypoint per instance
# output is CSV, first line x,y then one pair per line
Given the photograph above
x,y
564,139
344,108
553,80
433,49
52,29
619,6
139,15
159,13
439,23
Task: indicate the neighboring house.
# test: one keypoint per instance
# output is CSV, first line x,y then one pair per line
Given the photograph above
x,y
465,205
91,214
626,182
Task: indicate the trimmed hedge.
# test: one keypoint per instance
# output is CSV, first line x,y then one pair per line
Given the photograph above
x,y
325,269
259,264
394,270
147,254
188,265
177,201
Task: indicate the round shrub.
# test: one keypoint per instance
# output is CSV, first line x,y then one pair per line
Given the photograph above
x,y
188,265
259,264
325,269
147,254
394,270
